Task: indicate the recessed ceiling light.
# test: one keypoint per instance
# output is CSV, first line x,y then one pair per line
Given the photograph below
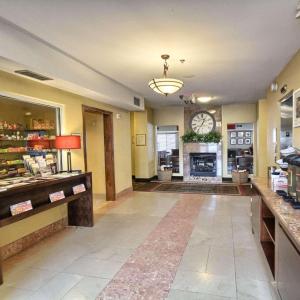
x,y
28,113
204,99
212,111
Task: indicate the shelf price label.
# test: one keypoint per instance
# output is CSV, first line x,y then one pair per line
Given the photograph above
x,y
57,196
78,189
21,207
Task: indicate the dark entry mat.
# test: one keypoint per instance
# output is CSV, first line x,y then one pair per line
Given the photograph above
x,y
215,189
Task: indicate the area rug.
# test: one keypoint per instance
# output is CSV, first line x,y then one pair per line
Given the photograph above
x,y
194,188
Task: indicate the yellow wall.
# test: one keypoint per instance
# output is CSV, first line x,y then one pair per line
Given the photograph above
x,y
150,142
262,118
236,113
172,116
132,143
290,75
95,150
72,120
144,156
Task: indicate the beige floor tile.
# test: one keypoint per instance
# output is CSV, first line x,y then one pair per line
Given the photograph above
x,y
111,253
194,259
29,278
205,283
57,287
184,295
221,262
87,266
88,288
255,290
220,245
250,264
11,293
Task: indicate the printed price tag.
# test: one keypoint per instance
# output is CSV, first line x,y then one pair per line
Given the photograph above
x,y
57,196
78,189
20,207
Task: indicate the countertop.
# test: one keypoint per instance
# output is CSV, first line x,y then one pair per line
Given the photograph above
x,y
287,216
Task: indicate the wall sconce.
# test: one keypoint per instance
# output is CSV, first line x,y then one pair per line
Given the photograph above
x,y
283,90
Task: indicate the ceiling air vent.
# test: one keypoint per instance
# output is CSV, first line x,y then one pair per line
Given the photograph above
x,y
33,75
136,101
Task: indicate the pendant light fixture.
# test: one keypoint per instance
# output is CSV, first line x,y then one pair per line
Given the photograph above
x,y
165,85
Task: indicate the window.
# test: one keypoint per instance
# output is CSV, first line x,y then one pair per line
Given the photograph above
x,y
167,144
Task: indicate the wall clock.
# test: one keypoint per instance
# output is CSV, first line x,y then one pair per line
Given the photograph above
x,y
203,122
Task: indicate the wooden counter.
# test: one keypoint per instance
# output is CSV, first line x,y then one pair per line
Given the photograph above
x,y
276,227
80,206
288,217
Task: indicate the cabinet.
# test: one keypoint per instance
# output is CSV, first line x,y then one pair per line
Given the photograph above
x,y
267,234
288,275
255,215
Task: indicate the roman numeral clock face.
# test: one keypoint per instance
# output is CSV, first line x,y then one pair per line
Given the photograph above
x,y
203,122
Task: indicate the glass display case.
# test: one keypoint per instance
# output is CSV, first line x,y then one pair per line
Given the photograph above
x,y
27,130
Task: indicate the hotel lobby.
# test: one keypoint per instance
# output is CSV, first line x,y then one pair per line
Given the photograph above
x,y
150,150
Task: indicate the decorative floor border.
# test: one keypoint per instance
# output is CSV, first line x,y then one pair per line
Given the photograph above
x,y
151,269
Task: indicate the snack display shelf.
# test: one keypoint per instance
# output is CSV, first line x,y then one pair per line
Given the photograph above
x,y
24,130
26,140
11,165
30,151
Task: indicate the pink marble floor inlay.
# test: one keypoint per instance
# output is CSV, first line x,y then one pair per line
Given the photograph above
x,y
149,272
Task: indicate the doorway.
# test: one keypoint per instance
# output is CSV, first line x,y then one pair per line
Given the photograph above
x,y
167,147
99,151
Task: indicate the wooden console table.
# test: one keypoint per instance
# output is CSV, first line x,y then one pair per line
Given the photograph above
x,y
80,206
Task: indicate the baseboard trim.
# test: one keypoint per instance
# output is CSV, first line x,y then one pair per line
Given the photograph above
x,y
31,239
154,178
124,192
144,179
226,179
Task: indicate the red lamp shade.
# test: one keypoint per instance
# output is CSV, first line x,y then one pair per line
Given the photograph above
x,y
68,142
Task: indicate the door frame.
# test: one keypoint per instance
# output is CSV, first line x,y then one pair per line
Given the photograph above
x,y
108,148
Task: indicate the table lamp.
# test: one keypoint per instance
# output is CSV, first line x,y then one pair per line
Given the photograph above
x,y
68,142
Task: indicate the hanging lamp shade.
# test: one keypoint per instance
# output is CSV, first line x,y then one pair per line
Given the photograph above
x,y
165,85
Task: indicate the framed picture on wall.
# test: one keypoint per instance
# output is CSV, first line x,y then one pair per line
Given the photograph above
x,y
241,134
247,141
232,134
140,139
240,141
248,134
232,141
296,108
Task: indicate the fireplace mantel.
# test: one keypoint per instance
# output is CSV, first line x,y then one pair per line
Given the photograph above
x,y
189,148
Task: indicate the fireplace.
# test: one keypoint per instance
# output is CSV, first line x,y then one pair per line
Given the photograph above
x,y
203,164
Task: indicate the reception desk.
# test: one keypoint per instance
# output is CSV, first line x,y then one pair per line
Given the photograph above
x,y
276,227
80,205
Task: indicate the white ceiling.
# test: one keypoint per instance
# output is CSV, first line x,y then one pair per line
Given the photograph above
x,y
233,49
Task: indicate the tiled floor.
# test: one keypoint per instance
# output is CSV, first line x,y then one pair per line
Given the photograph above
x,y
220,261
